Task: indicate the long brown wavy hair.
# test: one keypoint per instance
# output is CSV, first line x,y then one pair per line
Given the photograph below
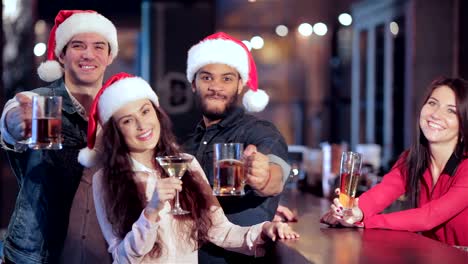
x,y
416,160
124,203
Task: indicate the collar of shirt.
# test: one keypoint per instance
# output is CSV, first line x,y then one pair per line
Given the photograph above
x,y
449,171
76,104
452,165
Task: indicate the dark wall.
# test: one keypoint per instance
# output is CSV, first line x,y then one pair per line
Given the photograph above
x,y
174,28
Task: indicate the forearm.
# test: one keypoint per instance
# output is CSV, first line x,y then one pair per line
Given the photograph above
x,y
137,243
246,240
152,214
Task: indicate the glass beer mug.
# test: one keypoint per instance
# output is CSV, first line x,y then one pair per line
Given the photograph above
x,y
46,123
228,169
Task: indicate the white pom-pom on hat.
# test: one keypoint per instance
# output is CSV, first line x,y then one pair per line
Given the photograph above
x,y
50,71
255,101
88,157
225,49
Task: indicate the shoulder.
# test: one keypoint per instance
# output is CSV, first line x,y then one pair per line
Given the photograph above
x,y
98,178
57,85
254,125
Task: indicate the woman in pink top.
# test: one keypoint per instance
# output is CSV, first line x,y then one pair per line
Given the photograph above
x,y
133,199
433,174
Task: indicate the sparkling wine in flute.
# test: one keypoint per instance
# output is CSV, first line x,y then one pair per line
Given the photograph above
x,y
348,187
229,177
350,171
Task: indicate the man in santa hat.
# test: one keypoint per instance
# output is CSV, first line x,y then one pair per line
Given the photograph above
x,y
219,67
54,190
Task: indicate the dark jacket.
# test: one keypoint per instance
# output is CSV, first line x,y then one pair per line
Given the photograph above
x,y
48,180
251,208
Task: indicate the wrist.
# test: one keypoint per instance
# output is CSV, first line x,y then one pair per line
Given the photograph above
x,y
265,185
359,215
151,214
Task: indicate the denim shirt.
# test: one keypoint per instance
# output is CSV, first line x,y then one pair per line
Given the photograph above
x,y
48,180
251,208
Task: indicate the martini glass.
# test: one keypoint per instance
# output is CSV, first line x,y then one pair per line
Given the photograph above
x,y
175,166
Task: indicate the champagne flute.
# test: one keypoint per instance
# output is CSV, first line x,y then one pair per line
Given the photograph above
x,y
175,166
350,173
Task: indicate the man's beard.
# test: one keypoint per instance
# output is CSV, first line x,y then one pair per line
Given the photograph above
x,y
214,114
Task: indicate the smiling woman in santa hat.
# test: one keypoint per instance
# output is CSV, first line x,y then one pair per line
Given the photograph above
x,y
133,195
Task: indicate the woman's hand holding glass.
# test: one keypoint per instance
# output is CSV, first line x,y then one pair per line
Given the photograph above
x,y
165,190
338,215
280,230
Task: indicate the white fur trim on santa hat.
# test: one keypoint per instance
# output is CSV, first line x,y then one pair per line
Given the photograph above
x,y
255,101
88,157
123,92
50,71
86,23
218,51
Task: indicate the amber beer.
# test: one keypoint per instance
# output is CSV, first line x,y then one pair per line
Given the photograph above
x,y
350,172
228,169
46,125
229,177
46,131
348,188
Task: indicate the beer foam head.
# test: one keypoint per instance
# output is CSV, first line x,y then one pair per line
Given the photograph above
x,y
118,91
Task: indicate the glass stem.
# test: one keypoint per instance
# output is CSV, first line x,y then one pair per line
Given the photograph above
x,y
177,203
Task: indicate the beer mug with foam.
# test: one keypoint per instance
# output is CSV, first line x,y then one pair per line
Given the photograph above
x,y
228,169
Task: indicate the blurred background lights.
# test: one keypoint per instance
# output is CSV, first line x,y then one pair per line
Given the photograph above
x,y
320,29
281,30
305,29
345,19
394,28
256,42
39,49
295,171
11,9
40,27
247,43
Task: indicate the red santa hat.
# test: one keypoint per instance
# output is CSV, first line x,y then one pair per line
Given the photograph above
x,y
118,91
67,24
223,48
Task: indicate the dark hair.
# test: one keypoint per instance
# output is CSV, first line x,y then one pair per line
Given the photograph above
x,y
417,158
124,203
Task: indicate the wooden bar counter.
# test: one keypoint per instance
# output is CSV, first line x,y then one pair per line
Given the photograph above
x,y
323,245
